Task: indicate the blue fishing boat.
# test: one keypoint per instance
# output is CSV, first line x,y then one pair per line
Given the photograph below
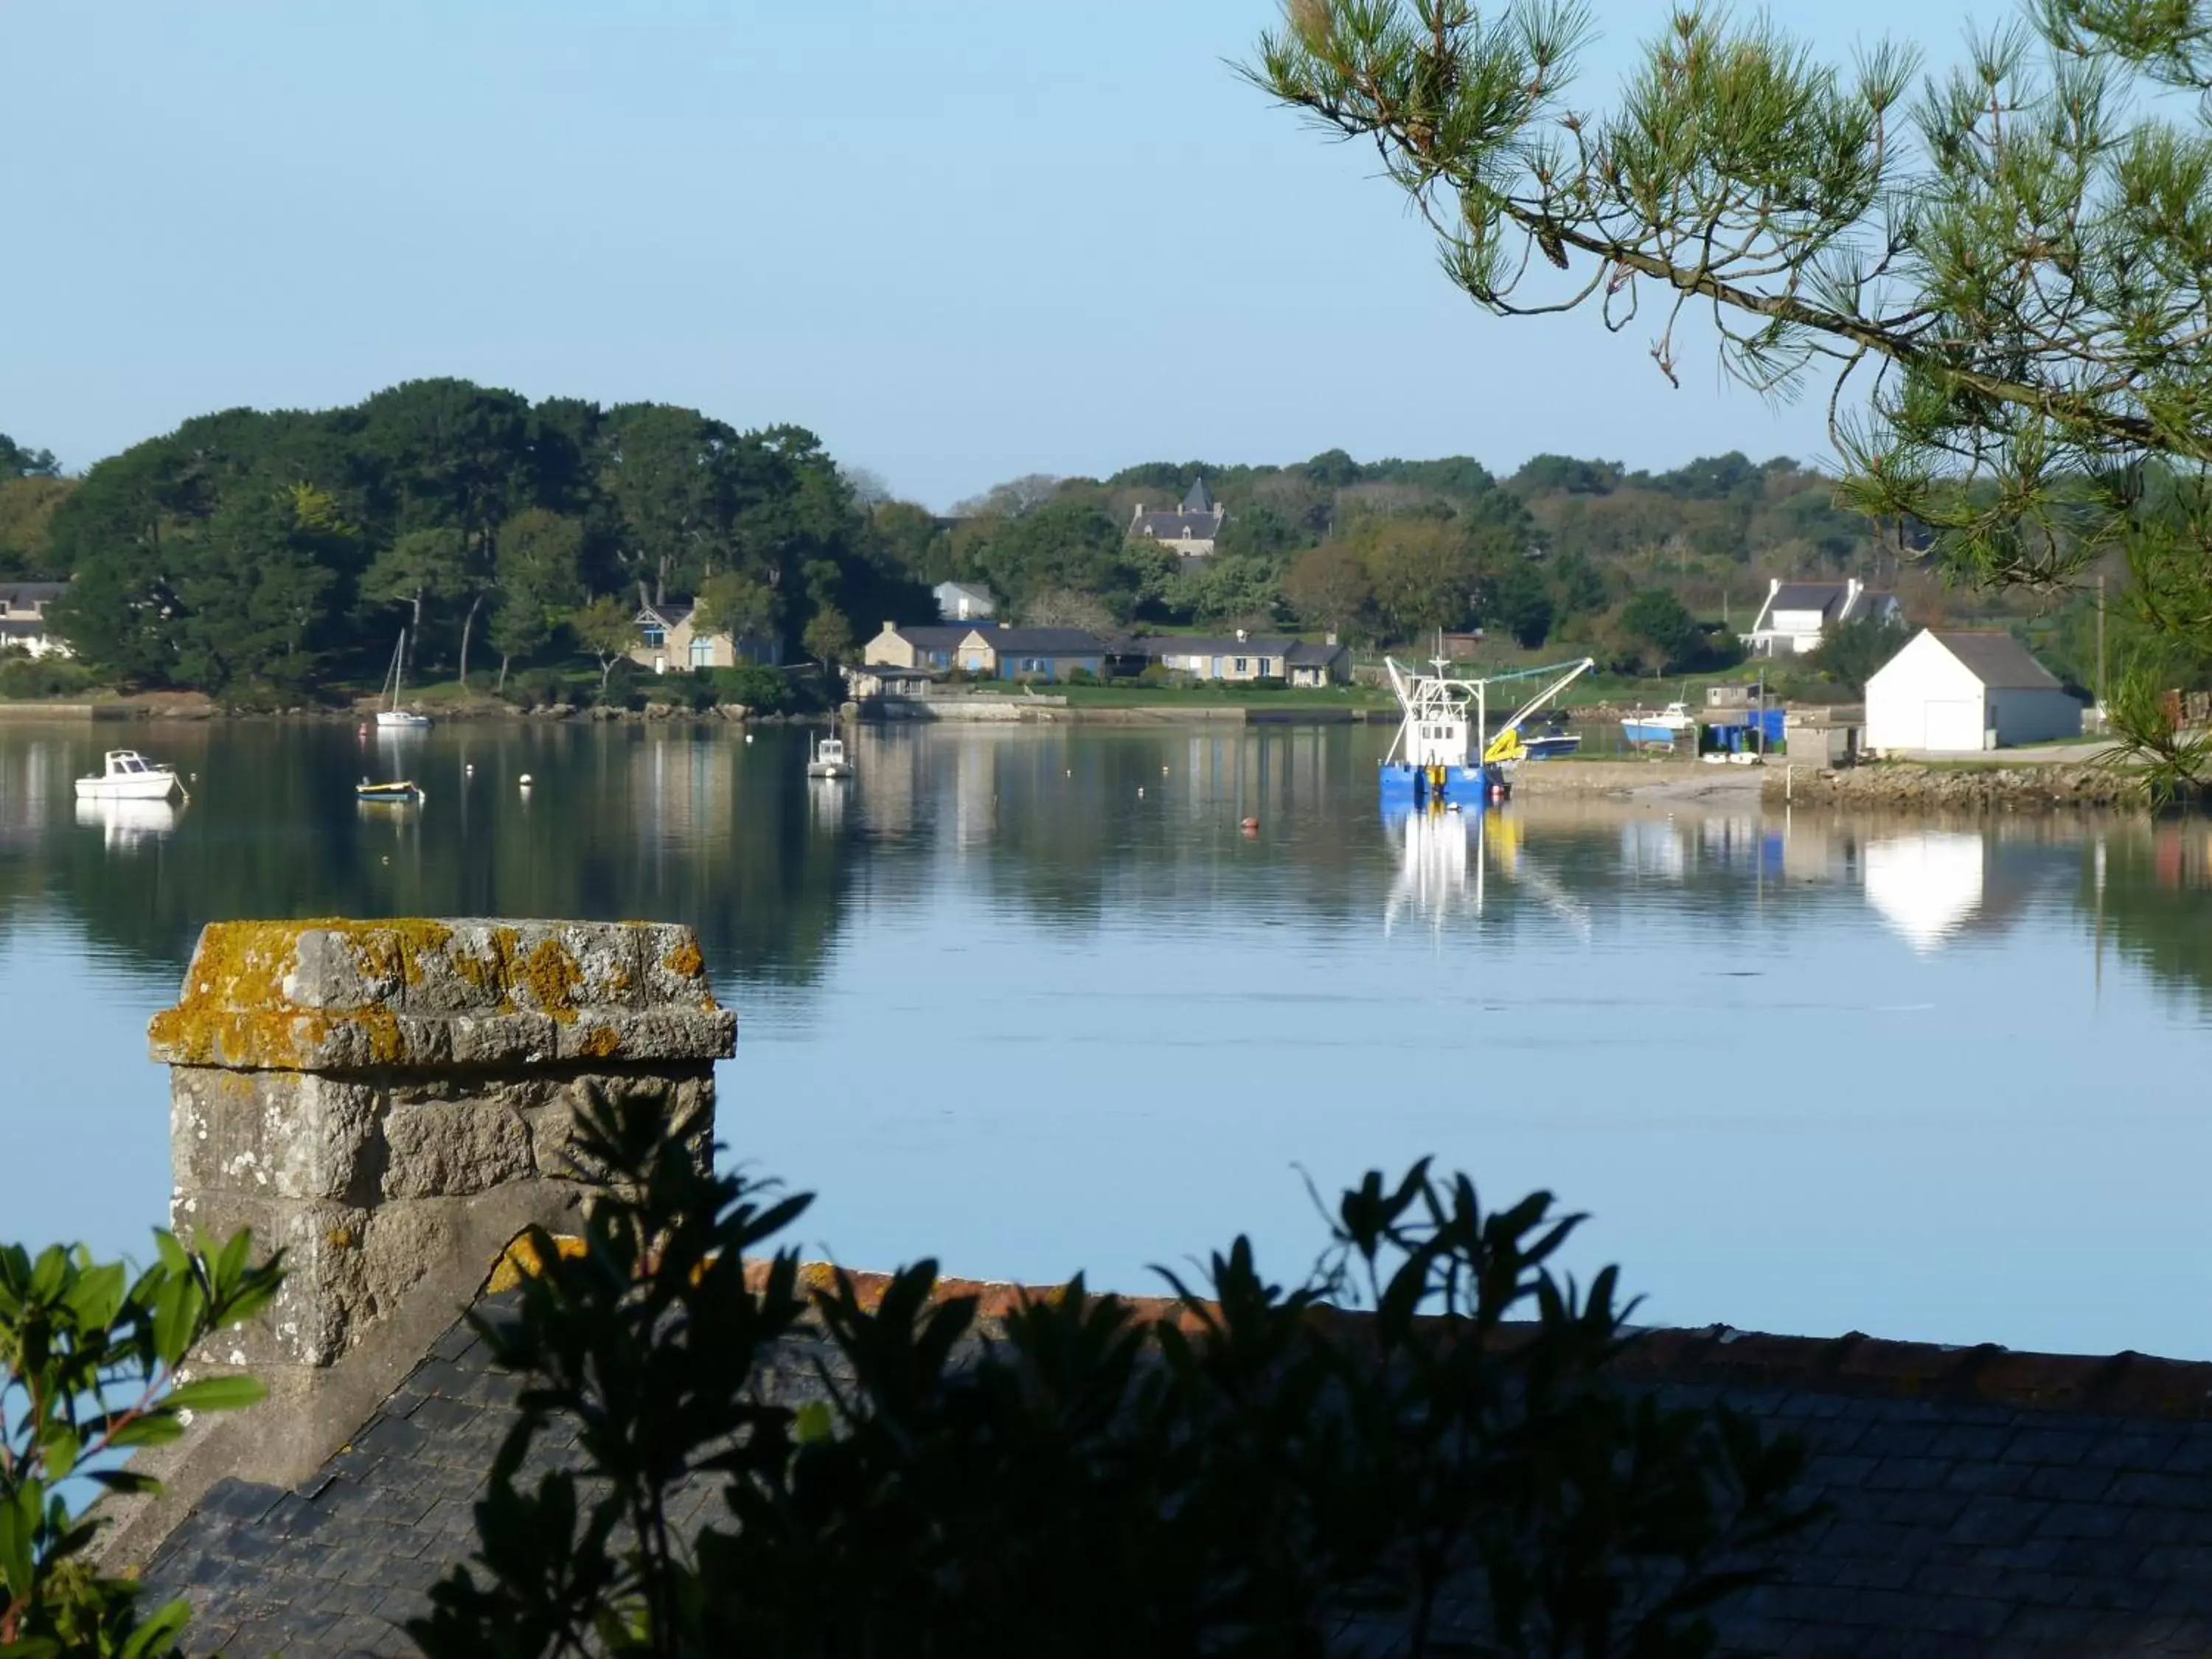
x,y
1438,755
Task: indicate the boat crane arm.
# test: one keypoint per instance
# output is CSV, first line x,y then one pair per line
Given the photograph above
x,y
1573,671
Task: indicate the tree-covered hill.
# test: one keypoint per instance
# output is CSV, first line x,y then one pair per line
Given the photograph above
x,y
274,551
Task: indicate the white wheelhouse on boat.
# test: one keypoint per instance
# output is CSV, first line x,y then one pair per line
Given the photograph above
x,y
126,775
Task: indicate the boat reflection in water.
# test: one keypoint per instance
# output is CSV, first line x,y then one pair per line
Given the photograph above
x,y
1446,858
128,824
1927,886
1440,871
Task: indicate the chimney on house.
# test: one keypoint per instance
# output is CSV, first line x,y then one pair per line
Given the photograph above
x,y
1329,638
393,1102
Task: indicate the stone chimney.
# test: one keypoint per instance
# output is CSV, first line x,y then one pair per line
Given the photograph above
x,y
392,1102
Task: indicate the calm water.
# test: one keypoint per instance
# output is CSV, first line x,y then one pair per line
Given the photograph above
x,y
1807,1075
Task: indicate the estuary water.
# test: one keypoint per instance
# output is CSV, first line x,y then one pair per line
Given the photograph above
x,y
1029,1000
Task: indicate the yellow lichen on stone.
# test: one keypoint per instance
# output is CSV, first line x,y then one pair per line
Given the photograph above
x,y
685,961
395,949
553,978
234,1003
600,1042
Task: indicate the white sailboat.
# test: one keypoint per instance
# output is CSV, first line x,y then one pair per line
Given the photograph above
x,y
392,717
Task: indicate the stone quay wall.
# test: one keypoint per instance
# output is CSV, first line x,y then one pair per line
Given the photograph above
x,y
1971,788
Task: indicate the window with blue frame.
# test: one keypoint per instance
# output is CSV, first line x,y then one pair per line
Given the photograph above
x,y
653,634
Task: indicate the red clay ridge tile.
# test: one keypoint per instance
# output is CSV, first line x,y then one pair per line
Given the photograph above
x,y
2126,1385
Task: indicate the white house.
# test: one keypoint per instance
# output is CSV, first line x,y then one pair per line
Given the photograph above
x,y
963,602
23,618
1965,689
1797,614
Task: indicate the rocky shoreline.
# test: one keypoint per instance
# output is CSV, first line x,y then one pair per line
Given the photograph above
x,y
1970,786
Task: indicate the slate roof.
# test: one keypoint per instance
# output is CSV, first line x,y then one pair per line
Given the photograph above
x,y
29,596
1823,597
1996,659
931,636
1982,1503
1195,645
23,629
1179,526
1201,499
669,614
1042,642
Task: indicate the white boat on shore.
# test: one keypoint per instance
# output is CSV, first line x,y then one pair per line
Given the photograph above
x,y
126,775
392,717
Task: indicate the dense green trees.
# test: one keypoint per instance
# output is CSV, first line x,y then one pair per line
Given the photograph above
x,y
1391,548
250,553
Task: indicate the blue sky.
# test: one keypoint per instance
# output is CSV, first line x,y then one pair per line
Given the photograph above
x,y
962,241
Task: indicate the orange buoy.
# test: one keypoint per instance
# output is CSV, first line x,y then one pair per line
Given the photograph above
x,y
1249,826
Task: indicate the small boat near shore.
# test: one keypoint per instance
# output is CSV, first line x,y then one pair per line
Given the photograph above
x,y
1645,730
1552,745
126,775
829,760
400,792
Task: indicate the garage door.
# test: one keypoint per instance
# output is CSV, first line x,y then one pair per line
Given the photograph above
x,y
1954,724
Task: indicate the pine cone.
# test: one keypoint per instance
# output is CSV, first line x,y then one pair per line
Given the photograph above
x,y
1554,249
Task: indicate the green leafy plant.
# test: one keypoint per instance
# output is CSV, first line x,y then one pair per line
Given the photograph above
x,y
1240,1472
91,1360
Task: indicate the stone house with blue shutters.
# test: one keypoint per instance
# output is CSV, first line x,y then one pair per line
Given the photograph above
x,y
986,652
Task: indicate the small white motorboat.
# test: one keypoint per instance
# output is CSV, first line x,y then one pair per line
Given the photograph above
x,y
126,775
392,717
829,760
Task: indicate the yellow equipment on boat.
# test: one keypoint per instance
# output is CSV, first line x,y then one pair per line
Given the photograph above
x,y
1505,746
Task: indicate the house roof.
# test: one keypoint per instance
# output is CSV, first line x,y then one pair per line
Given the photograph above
x,y
1980,1501
1042,641
1179,526
1201,499
933,636
1198,645
17,595
1304,654
669,614
25,629
1823,597
1996,659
